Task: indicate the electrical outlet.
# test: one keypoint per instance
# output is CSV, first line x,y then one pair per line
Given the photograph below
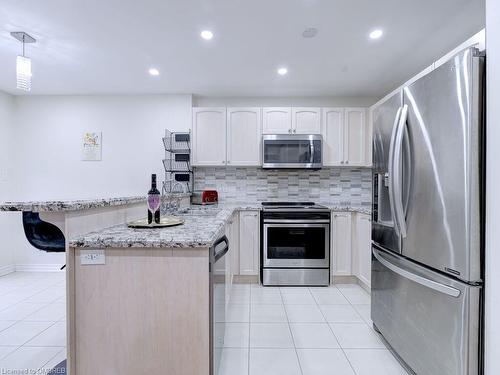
x,y
92,257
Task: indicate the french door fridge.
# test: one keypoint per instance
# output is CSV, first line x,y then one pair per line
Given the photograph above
x,y
427,262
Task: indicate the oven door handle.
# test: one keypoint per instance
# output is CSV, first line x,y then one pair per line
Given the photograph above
x,y
290,221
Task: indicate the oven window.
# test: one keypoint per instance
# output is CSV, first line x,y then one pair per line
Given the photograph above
x,y
296,243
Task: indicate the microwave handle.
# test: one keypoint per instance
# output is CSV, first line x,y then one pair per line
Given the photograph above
x,y
311,149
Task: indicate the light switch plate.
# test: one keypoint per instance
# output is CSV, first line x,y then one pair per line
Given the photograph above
x,y
92,257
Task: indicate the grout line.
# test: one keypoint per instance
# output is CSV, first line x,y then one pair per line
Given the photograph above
x,y
340,346
249,332
291,334
51,358
38,334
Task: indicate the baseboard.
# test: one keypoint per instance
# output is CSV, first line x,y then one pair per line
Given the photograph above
x,y
5,270
364,285
39,267
351,280
245,279
344,280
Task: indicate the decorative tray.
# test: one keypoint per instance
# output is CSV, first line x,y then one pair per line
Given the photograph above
x,y
167,221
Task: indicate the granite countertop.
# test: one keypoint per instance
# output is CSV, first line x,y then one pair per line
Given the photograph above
x,y
73,205
202,226
198,231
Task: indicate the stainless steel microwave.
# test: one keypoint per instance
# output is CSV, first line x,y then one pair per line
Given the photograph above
x,y
292,151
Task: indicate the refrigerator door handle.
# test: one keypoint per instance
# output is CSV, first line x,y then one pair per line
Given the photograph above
x,y
398,189
445,289
390,170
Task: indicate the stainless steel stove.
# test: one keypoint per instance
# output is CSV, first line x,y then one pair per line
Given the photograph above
x,y
295,241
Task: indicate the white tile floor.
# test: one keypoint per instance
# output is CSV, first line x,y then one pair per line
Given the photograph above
x,y
270,331
32,321
303,331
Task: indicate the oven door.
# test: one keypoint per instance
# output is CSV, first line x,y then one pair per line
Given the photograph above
x,y
292,151
296,245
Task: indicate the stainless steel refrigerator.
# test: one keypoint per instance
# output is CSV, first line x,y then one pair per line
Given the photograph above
x,y
427,227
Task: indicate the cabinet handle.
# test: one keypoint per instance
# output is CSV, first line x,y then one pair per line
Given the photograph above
x,y
295,130
342,162
229,161
347,162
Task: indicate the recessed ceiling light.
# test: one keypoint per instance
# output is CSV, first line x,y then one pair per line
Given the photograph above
x,y
310,32
282,71
207,34
154,72
375,34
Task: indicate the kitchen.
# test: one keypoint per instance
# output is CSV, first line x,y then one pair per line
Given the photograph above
x,y
290,145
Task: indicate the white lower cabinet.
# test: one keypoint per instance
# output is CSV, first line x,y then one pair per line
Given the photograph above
x,y
228,262
249,243
234,243
362,252
351,245
341,264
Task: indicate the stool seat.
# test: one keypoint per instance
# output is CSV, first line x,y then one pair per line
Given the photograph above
x,y
42,235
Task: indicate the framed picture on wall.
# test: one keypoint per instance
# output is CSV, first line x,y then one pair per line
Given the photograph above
x,y
92,146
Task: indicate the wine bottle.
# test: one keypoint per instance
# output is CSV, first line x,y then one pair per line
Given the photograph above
x,y
153,202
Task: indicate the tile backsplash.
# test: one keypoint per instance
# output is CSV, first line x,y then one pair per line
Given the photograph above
x,y
335,186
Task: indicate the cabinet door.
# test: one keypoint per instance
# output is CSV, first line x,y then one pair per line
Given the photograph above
x,y
306,120
333,136
228,262
209,136
341,244
249,243
369,138
235,244
363,247
244,136
277,120
355,132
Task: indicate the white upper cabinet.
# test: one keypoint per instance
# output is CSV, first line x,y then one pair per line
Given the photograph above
x,y
233,136
306,120
355,129
244,136
277,120
333,136
209,136
345,135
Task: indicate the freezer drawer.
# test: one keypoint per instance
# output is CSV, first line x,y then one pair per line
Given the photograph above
x,y
431,321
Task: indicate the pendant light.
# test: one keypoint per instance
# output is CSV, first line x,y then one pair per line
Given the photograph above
x,y
23,63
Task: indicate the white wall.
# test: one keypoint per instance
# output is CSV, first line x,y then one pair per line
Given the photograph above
x,y
47,156
492,329
49,134
310,101
6,168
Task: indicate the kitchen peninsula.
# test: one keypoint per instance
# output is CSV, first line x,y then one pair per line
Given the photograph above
x,y
146,306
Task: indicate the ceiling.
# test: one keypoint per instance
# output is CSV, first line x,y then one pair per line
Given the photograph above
x,y
107,46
